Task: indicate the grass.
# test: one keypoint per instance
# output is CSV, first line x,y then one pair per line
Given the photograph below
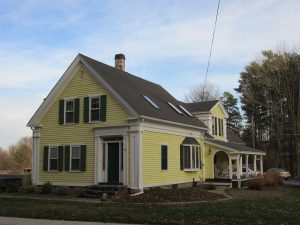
x,y
246,207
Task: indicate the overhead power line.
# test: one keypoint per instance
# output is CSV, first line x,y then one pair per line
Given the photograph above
x,y
211,46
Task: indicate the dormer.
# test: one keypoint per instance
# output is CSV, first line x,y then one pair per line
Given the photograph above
x,y
213,115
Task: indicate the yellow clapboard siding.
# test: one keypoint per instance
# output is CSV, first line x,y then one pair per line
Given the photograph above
x,y
209,163
83,133
151,152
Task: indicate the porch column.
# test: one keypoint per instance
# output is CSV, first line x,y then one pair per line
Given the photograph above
x,y
254,164
247,166
230,168
261,165
241,165
238,171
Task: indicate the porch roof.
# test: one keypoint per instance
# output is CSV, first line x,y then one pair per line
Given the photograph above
x,y
239,148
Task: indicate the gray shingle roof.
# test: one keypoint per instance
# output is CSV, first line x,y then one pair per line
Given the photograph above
x,y
201,106
131,88
233,137
239,147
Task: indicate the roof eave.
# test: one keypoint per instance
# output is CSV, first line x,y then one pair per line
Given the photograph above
x,y
173,123
255,152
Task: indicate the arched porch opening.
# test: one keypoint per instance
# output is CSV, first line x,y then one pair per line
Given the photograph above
x,y
221,165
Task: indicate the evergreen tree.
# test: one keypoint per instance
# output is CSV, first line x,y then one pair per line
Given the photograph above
x,y
234,120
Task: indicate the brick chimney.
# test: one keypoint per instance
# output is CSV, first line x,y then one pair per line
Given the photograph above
x,y
120,61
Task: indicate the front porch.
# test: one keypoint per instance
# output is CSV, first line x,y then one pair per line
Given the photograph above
x,y
237,167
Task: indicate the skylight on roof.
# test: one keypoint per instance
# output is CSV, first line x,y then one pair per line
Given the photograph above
x,y
150,101
175,108
185,110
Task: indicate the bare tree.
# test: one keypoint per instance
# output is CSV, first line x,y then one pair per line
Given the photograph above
x,y
201,93
4,159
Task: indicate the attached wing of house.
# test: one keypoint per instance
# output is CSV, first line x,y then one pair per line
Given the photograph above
x,y
232,158
100,124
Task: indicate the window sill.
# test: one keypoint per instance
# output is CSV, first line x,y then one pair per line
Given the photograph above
x,y
66,124
53,171
191,170
75,171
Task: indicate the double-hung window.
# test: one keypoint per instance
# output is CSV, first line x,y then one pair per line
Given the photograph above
x,y
95,108
75,158
191,157
69,111
53,159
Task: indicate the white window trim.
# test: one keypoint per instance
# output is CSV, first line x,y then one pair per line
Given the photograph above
x,y
175,108
65,110
49,159
90,108
151,102
192,168
71,147
166,170
185,110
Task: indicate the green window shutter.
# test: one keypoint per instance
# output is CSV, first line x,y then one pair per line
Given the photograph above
x,y
67,158
61,111
46,153
86,109
103,108
164,157
83,158
181,157
60,158
76,112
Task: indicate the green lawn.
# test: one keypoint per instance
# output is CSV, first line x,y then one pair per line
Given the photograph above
x,y
272,206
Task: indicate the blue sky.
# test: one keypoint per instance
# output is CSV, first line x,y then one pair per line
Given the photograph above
x,y
166,42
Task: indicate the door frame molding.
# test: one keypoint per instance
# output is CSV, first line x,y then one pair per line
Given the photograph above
x,y
103,132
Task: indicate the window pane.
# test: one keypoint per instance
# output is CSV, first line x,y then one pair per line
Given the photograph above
x,y
75,164
53,153
197,157
53,164
216,126
95,115
213,125
193,157
187,157
70,105
95,103
75,152
219,127
69,117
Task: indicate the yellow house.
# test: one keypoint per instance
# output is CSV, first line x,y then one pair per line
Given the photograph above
x,y
100,124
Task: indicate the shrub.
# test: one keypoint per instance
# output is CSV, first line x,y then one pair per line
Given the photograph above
x,y
28,189
2,187
46,188
272,179
62,190
255,184
12,186
209,186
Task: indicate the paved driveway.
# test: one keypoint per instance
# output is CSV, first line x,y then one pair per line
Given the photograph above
x,y
22,221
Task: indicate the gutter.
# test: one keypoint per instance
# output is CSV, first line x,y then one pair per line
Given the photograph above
x,y
168,122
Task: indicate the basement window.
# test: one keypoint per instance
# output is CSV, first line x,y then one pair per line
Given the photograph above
x,y
175,108
185,110
151,102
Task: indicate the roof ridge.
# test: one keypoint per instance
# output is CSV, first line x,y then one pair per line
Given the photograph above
x,y
118,70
